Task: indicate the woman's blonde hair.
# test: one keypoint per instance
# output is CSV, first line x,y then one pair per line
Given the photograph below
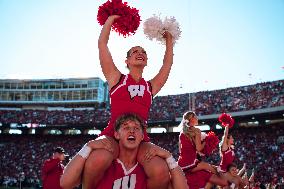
x,y
187,129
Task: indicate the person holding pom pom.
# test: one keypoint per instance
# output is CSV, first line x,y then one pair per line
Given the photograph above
x,y
129,93
227,152
197,172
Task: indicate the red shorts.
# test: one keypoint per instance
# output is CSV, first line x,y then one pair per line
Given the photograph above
x,y
197,179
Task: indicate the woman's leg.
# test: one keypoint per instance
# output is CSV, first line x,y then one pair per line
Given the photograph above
x,y
97,163
156,169
204,166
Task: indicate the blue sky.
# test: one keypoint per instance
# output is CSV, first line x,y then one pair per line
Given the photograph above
x,y
224,43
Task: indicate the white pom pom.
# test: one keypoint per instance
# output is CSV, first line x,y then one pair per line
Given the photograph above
x,y
172,26
155,28
203,136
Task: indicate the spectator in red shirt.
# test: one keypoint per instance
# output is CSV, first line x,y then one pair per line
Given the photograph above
x,y
53,169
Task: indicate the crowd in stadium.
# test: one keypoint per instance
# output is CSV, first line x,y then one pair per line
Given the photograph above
x,y
259,96
260,148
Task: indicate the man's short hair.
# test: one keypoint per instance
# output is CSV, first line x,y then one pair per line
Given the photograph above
x,y
128,117
230,166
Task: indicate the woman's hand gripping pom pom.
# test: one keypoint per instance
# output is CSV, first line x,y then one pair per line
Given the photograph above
x,y
154,28
129,19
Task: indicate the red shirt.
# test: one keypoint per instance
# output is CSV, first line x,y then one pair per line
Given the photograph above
x,y
117,177
188,155
129,96
227,157
51,172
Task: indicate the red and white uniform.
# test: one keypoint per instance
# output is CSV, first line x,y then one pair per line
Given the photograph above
x,y
52,170
129,96
188,154
117,177
227,157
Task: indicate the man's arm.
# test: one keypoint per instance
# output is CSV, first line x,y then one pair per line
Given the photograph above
x,y
72,173
110,71
178,180
242,171
160,79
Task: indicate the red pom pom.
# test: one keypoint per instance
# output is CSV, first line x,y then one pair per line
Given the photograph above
x,y
211,143
129,20
226,120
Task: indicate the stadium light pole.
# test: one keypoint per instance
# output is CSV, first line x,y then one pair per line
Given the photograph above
x,y
22,178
